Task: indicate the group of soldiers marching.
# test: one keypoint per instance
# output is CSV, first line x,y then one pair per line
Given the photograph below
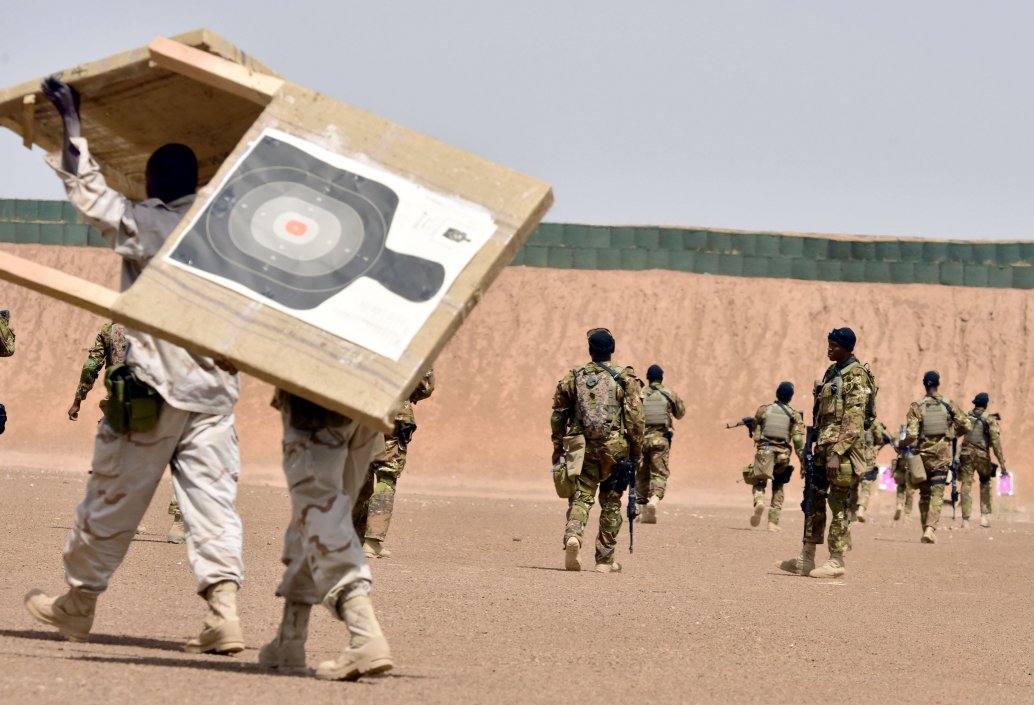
x,y
610,432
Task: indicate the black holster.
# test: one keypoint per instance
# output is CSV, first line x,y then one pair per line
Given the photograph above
x,y
133,405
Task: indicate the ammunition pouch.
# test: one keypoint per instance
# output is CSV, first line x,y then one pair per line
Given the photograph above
x,y
133,405
916,469
871,475
3,418
845,475
783,477
310,416
404,433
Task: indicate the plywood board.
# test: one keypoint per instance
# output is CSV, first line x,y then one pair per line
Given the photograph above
x,y
131,106
271,341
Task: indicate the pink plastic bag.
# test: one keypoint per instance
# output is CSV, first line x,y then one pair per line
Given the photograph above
x,y
887,483
1005,486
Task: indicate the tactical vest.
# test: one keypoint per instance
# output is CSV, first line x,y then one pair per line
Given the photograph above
x,y
655,408
830,398
935,418
776,423
978,435
599,407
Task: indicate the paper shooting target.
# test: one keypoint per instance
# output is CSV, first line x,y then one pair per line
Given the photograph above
x,y
296,230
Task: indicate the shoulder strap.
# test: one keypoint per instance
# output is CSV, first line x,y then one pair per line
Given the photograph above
x,y
785,410
615,375
661,391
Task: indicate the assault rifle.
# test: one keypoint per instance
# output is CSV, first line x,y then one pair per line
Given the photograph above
x,y
625,471
747,421
809,477
954,475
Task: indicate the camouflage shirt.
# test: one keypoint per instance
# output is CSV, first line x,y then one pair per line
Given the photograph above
x,y
564,421
108,350
935,450
842,398
423,390
992,435
6,339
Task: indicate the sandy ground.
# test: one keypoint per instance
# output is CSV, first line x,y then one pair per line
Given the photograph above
x,y
478,610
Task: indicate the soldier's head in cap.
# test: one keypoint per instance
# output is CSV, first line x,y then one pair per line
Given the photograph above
x,y
931,381
981,400
840,344
171,173
654,373
601,344
784,392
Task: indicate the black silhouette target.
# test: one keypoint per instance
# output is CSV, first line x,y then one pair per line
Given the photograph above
x,y
297,231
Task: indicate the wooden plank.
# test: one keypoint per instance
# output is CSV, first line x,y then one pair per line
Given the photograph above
x,y
28,120
56,284
214,71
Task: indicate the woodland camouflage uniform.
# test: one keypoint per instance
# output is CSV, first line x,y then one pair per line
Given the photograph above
x,y
975,459
935,451
6,338
624,441
875,438
782,450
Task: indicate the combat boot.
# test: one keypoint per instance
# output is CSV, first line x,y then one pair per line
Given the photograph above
x,y
929,535
367,652
803,564
899,510
860,514
773,527
287,650
374,548
222,631
650,510
759,509
571,559
833,568
985,521
71,613
965,523
608,567
177,532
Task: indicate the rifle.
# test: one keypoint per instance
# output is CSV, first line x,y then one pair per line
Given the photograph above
x,y
954,475
625,472
809,477
747,421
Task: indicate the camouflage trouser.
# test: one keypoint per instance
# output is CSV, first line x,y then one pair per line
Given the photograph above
x,y
980,465
204,457
174,509
596,474
782,473
905,495
323,554
863,490
931,492
378,493
839,500
651,477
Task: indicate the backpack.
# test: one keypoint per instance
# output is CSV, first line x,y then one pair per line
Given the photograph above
x,y
598,408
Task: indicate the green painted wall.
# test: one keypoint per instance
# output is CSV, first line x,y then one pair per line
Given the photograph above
x,y
742,254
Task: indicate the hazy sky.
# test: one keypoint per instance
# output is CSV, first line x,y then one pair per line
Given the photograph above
x,y
903,117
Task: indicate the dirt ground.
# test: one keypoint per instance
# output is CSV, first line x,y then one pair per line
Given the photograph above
x,y
478,610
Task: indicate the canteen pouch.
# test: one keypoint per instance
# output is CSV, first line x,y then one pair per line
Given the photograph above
x,y
574,455
309,416
563,484
132,405
764,464
916,471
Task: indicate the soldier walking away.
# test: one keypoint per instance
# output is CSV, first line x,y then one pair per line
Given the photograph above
x,y
597,423
158,415
660,404
377,498
6,334
778,432
107,352
845,402
326,458
904,491
932,423
984,437
875,438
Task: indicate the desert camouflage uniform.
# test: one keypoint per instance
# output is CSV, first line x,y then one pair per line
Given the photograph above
x,y
839,429
195,431
322,553
782,451
6,339
600,455
377,498
975,459
651,478
875,439
936,454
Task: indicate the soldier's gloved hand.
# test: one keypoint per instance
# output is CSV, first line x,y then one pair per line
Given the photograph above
x,y
63,96
832,466
1004,471
73,410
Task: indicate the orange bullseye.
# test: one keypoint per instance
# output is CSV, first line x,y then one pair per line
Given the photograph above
x,y
296,228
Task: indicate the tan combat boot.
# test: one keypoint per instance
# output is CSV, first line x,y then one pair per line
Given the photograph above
x,y
374,548
759,509
222,631
367,652
608,567
177,532
985,521
899,510
833,568
287,650
773,527
803,564
650,510
71,613
571,559
929,535
965,524
860,514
